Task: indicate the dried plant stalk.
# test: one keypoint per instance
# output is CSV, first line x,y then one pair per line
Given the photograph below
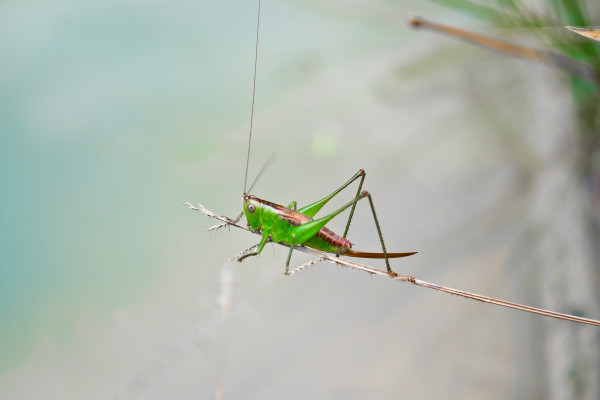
x,y
321,256
550,58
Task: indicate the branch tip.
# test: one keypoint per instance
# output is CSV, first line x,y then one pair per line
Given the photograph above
x,y
402,278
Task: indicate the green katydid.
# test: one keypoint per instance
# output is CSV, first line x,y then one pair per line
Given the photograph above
x,y
293,227
297,227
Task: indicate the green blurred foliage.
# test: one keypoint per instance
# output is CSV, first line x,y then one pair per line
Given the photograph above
x,y
556,15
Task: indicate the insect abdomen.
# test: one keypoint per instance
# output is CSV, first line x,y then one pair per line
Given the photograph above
x,y
333,239
326,240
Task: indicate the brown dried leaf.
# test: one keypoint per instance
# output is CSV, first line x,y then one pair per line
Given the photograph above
x,y
587,32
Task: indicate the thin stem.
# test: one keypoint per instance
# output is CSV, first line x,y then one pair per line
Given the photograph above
x,y
556,60
410,279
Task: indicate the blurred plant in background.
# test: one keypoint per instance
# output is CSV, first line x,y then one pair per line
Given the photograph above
x,y
548,24
117,112
562,174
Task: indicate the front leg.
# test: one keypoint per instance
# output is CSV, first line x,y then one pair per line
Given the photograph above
x,y
263,241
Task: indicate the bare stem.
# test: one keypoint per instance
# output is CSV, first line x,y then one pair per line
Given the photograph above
x,y
403,278
550,58
306,265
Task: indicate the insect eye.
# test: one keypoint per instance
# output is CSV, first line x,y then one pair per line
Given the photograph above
x,y
251,208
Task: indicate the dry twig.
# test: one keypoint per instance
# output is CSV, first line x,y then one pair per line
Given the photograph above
x,y
321,256
550,58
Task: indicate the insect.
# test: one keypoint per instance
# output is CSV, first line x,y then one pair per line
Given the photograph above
x,y
292,227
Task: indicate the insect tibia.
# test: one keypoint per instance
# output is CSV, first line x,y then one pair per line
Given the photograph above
x,y
241,253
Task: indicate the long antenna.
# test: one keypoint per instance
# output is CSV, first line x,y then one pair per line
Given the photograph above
x,y
253,93
264,167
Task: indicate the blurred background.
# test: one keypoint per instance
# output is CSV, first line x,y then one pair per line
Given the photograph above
x,y
115,113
